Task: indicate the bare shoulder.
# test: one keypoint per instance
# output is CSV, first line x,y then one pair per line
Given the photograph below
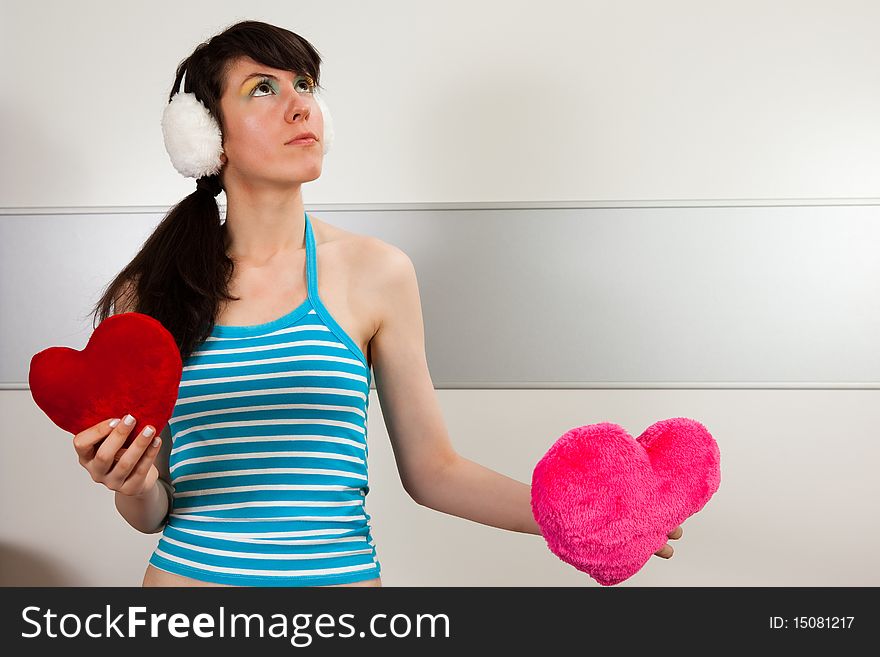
x,y
391,276
384,259
380,273
373,260
388,271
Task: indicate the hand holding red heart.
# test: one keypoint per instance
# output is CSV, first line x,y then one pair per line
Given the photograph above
x,y
129,471
131,362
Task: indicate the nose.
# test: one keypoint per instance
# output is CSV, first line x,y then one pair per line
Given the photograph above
x,y
298,106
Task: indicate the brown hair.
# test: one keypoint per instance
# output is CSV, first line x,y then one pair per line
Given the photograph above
x,y
181,274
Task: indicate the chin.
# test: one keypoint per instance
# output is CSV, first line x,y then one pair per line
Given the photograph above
x,y
313,174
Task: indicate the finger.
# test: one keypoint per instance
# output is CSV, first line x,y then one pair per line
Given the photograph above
x,y
666,551
144,475
128,457
103,460
145,463
676,533
84,442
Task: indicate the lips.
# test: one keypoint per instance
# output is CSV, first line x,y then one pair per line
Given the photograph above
x,y
303,138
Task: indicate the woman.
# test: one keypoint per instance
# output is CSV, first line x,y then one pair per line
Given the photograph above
x,y
279,318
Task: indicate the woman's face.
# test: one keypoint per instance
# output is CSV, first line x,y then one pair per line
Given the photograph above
x,y
260,114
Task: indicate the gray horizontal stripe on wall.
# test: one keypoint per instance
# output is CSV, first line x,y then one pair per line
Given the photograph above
x,y
509,205
666,296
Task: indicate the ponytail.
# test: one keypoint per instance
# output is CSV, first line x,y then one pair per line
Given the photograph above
x,y
181,274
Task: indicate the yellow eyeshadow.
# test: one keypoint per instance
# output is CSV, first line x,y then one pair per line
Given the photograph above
x,y
254,83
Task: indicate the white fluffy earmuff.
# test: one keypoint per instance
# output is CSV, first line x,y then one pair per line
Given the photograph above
x,y
328,122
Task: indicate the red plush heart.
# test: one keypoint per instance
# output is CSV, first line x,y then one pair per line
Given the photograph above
x,y
605,502
131,364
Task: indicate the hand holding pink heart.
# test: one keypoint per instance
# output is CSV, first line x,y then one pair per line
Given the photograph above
x,y
606,502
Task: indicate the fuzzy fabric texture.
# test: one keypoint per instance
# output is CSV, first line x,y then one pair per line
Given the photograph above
x,y
329,133
194,141
192,136
131,364
606,502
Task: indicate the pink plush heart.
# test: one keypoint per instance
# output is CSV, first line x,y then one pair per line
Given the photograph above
x,y
605,502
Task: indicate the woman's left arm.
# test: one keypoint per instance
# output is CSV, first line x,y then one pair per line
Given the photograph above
x,y
430,469
469,490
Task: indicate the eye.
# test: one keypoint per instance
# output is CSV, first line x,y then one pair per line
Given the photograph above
x,y
307,81
264,82
303,84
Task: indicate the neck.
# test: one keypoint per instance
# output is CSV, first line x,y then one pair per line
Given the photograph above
x,y
262,225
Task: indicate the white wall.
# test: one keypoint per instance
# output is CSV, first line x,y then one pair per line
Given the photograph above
x,y
470,101
706,102
796,505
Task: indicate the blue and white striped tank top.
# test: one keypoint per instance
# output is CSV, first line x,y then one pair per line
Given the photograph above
x,y
269,454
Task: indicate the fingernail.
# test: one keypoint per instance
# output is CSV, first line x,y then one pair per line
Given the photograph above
x,y
149,431
114,422
129,420
156,441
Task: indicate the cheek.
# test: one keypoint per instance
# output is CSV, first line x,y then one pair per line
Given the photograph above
x,y
249,139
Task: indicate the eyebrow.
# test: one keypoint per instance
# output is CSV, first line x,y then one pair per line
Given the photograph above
x,y
267,75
